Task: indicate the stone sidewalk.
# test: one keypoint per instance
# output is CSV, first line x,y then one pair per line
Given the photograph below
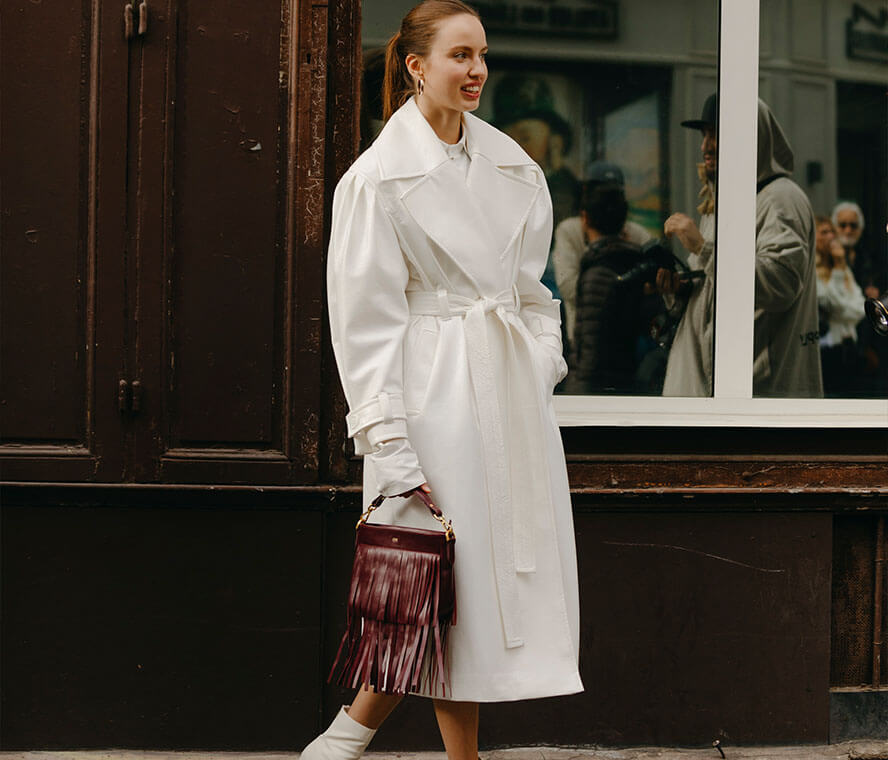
x,y
860,750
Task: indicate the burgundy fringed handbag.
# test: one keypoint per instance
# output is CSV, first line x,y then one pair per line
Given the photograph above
x,y
401,603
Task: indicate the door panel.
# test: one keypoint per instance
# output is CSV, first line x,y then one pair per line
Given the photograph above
x,y
163,223
219,210
59,366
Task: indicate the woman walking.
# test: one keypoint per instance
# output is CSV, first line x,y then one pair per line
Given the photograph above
x,y
449,348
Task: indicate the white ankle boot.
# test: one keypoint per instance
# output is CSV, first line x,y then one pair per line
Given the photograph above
x,y
345,739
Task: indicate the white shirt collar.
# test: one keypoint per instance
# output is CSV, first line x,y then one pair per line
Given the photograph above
x,y
454,149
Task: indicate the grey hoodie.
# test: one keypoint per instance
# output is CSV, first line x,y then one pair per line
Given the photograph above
x,y
786,347
786,354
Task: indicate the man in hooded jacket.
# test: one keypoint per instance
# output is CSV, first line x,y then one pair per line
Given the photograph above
x,y
786,359
689,365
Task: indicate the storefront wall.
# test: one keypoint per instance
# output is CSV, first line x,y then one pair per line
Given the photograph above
x,y
807,53
729,576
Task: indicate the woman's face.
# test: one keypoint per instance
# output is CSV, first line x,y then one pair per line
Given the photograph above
x,y
454,71
825,235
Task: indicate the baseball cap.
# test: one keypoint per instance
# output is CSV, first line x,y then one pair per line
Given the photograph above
x,y
709,117
604,171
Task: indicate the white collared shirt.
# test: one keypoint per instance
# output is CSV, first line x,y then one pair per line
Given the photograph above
x,y
458,152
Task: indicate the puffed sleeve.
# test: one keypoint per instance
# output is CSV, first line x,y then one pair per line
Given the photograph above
x,y
366,279
539,310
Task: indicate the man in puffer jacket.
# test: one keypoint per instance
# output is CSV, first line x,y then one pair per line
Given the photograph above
x,y
610,316
570,244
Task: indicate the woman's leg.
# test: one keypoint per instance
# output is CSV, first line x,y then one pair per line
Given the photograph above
x,y
353,728
458,722
370,709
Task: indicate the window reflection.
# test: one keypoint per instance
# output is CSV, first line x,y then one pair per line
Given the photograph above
x,y
690,295
840,301
836,121
786,359
601,131
598,103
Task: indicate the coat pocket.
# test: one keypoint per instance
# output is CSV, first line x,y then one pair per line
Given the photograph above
x,y
419,355
547,365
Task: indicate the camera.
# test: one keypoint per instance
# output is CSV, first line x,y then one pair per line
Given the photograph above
x,y
877,313
655,255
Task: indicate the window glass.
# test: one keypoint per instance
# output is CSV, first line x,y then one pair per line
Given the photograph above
x,y
596,92
822,200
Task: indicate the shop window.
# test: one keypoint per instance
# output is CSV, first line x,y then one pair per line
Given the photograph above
x,y
824,111
612,89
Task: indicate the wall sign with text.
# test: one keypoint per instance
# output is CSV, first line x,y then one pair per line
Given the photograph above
x,y
574,18
866,34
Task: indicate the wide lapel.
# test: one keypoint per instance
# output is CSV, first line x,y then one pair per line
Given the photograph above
x,y
452,217
474,219
504,197
408,146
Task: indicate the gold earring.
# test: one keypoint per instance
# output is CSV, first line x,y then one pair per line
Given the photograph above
x,y
421,85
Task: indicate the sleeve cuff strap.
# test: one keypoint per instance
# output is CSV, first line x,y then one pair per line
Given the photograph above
x,y
380,419
543,326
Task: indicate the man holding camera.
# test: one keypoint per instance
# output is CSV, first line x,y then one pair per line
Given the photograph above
x,y
786,357
689,369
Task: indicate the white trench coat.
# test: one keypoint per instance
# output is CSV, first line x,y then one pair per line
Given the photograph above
x,y
449,348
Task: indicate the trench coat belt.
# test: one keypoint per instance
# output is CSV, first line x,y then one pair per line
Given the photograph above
x,y
510,416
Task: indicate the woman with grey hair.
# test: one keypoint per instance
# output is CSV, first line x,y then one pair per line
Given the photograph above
x,y
847,218
853,226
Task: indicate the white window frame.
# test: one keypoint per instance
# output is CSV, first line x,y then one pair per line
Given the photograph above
x,y
732,404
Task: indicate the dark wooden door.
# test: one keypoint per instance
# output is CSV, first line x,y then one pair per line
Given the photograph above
x,y
163,224
63,74
229,373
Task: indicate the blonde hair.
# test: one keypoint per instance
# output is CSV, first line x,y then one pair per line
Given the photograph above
x,y
823,261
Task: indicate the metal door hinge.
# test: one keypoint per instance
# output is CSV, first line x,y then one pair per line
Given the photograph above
x,y
130,27
129,396
122,395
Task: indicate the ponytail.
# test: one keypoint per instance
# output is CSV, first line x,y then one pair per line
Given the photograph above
x,y
397,84
415,36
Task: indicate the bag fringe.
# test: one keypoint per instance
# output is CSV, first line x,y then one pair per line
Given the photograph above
x,y
394,638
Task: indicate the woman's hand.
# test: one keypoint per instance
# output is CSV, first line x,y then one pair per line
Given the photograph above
x,y
425,487
837,251
668,282
426,497
684,228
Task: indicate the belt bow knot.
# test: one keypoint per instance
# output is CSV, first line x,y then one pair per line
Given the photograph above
x,y
510,417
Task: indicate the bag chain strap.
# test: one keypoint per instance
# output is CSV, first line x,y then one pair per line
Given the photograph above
x,y
425,499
